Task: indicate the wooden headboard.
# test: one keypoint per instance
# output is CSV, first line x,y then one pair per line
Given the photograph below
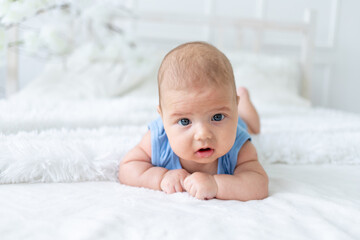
x,y
213,26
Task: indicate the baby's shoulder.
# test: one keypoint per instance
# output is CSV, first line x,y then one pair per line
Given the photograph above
x,y
145,143
156,126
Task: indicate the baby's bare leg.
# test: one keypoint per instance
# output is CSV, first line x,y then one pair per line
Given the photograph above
x,y
247,111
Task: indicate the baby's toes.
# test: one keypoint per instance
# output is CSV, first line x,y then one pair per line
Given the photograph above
x,y
242,91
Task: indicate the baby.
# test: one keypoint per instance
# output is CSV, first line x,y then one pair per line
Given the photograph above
x,y
201,143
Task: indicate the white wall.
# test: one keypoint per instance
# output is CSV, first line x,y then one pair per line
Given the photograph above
x,y
336,77
345,82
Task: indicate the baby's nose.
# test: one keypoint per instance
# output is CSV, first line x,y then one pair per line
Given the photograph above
x,y
203,132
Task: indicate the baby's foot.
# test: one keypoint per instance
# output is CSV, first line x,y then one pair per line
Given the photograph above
x,y
243,93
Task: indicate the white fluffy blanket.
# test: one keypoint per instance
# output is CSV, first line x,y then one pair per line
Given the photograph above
x,y
71,141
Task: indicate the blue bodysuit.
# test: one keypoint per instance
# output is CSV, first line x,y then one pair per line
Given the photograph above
x,y
163,156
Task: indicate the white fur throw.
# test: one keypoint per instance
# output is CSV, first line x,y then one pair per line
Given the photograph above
x,y
85,140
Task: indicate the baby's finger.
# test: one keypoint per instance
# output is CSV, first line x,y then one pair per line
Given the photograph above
x,y
169,189
166,190
192,191
187,183
178,187
187,187
182,182
200,196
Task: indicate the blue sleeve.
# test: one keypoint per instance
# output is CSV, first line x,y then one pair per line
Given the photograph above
x,y
242,136
161,153
157,131
242,124
228,162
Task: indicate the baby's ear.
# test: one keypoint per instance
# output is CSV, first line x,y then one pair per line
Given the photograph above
x,y
159,109
237,100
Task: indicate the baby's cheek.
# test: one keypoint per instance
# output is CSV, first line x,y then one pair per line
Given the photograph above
x,y
179,144
227,140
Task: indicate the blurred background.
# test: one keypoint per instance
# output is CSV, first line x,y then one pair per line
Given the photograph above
x,y
54,29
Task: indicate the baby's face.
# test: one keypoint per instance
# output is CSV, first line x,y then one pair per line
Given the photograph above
x,y
200,122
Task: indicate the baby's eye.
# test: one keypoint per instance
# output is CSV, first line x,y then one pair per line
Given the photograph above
x,y
218,117
184,122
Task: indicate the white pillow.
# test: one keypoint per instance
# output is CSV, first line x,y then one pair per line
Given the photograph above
x,y
269,79
85,79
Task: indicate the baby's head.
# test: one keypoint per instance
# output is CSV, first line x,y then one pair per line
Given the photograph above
x,y
198,102
195,64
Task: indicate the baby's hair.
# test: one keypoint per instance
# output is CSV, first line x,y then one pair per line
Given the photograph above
x,y
195,64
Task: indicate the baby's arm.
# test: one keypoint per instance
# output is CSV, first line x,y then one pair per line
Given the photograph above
x,y
249,181
136,170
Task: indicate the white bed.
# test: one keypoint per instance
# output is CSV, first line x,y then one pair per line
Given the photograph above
x,y
61,142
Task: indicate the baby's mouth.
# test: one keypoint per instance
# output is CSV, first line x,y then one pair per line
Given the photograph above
x,y
204,152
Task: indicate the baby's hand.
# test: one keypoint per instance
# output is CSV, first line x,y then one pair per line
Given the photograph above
x,y
173,181
201,185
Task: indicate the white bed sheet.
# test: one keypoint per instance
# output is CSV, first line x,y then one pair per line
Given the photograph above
x,y
305,202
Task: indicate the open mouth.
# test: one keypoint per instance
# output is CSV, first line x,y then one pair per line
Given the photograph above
x,y
204,152
204,149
